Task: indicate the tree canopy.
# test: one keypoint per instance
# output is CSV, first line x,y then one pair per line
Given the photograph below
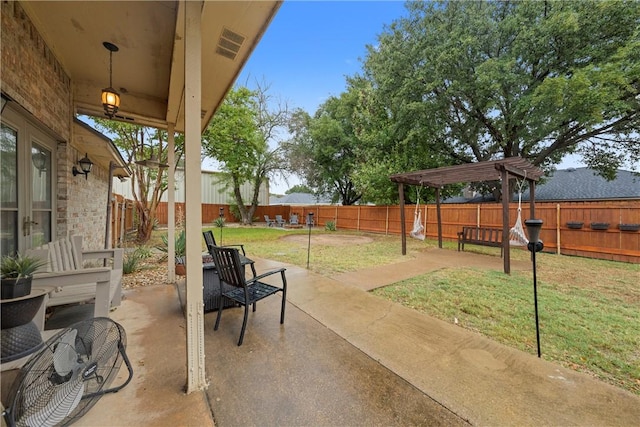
x,y
323,149
456,82
138,143
239,136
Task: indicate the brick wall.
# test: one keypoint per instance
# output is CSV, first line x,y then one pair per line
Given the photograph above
x,y
87,204
34,78
31,73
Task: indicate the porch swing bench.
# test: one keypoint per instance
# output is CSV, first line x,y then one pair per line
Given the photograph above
x,y
483,236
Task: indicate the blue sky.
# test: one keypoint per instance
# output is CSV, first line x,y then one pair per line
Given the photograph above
x,y
309,49
311,46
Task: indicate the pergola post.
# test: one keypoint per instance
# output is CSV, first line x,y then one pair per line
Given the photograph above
x,y
439,216
504,176
403,226
532,199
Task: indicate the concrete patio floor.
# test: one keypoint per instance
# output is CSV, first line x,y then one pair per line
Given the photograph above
x,y
344,357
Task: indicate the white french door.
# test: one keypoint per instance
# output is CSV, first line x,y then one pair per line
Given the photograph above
x,y
27,187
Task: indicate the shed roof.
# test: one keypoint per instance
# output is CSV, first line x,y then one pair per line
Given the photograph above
x,y
470,172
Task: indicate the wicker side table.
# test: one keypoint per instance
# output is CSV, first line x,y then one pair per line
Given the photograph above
x,y
211,290
19,335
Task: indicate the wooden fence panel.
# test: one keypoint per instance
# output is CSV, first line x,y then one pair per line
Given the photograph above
x,y
557,236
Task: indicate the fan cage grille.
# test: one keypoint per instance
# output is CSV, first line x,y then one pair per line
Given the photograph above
x,y
41,396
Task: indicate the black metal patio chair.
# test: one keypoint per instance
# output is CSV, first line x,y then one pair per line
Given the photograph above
x,y
245,292
210,241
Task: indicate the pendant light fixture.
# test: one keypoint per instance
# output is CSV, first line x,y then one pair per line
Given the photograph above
x,y
110,98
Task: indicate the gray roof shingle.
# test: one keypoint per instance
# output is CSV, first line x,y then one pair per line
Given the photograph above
x,y
585,184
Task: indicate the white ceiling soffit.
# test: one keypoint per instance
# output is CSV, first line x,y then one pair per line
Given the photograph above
x,y
147,70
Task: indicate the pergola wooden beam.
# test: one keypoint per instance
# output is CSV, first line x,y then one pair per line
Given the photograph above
x,y
493,170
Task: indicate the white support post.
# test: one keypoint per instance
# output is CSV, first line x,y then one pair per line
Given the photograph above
x,y
196,379
171,205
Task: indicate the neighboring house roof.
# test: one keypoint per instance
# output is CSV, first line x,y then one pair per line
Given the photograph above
x,y
299,199
574,184
585,184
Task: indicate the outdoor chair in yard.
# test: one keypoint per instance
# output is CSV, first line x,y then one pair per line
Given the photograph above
x,y
244,261
245,292
280,222
269,221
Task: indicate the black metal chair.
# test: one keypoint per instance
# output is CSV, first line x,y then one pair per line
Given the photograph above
x,y
245,292
210,241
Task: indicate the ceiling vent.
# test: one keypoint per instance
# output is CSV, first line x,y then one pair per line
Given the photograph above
x,y
229,44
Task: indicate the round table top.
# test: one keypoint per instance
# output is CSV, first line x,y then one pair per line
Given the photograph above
x,y
35,292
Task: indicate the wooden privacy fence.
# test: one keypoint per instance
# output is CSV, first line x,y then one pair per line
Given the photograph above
x,y
121,219
559,232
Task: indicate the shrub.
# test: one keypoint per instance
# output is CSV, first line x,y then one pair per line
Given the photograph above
x,y
180,245
219,222
131,262
330,226
144,251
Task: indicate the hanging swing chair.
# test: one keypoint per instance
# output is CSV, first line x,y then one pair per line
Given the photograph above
x,y
418,228
517,237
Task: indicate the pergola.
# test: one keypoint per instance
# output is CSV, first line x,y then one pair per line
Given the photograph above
x,y
503,170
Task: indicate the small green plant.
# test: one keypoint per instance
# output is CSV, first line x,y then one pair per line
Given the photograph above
x,y
180,244
15,267
219,222
144,252
131,262
330,226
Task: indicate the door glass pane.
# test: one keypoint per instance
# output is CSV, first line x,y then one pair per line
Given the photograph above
x,y
41,195
8,190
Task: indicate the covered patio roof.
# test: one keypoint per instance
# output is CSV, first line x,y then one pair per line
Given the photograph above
x,y
148,69
175,63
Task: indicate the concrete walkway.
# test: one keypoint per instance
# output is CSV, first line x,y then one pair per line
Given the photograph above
x,y
344,357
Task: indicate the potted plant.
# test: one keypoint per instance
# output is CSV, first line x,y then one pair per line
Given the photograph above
x,y
599,225
180,248
575,225
16,274
629,227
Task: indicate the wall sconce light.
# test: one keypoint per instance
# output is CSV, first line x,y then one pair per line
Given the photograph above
x,y
110,98
85,166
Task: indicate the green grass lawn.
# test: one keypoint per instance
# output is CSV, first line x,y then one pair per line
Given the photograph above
x,y
589,309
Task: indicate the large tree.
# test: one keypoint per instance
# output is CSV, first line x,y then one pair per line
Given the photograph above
x,y
240,138
323,148
483,80
137,143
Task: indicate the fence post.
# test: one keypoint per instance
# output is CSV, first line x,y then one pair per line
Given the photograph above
x,y
478,217
386,225
558,227
358,224
425,219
